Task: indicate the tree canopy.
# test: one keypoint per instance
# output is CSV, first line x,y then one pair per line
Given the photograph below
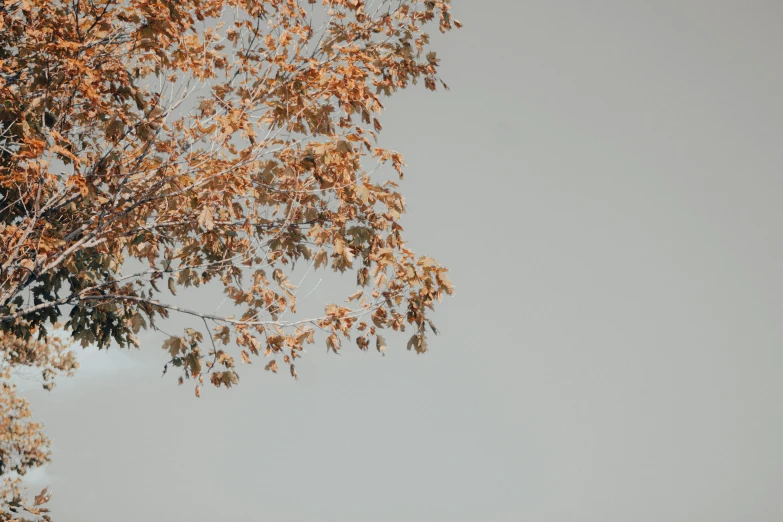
x,y
151,145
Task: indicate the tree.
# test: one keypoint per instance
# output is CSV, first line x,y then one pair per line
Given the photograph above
x,y
152,145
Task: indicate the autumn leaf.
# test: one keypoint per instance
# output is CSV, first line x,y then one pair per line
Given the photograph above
x,y
64,153
333,344
205,218
136,322
364,193
380,344
432,326
114,129
42,497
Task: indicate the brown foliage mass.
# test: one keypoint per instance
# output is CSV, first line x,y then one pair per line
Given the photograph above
x,y
149,145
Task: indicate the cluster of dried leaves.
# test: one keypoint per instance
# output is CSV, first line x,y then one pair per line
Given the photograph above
x,y
202,141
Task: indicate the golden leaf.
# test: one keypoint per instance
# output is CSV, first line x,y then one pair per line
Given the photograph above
x,y
205,218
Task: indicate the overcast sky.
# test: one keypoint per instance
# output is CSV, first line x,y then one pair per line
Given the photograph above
x,y
604,180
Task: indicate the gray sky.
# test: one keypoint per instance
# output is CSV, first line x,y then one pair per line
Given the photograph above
x,y
604,181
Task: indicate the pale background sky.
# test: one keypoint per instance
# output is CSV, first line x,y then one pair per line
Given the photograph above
x,y
604,180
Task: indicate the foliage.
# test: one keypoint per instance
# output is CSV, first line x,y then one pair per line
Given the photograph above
x,y
201,141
